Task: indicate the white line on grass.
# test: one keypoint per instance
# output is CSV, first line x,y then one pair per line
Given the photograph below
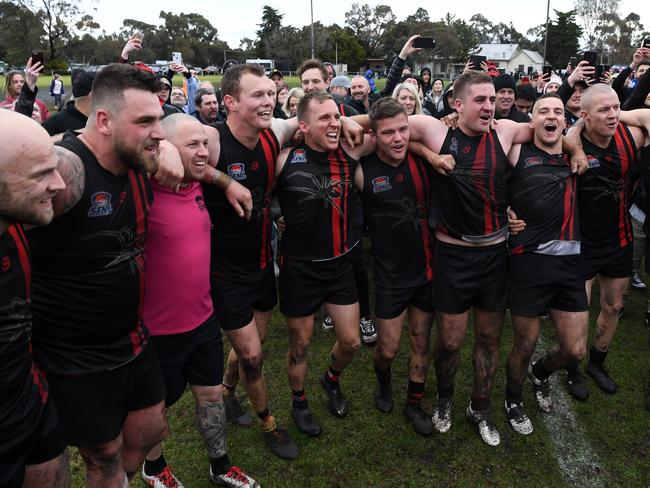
x,y
577,460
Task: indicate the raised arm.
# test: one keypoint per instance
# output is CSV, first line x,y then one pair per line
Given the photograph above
x,y
395,71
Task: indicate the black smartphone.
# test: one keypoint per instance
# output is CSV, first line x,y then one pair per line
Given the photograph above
x,y
477,60
547,70
591,57
37,57
424,42
573,61
646,43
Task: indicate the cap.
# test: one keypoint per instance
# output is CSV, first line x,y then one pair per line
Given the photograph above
x,y
83,83
343,81
276,72
165,81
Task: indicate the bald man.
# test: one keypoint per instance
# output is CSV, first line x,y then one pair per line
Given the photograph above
x,y
605,227
32,451
359,94
178,308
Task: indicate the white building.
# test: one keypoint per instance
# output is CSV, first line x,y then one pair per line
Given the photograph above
x,y
510,57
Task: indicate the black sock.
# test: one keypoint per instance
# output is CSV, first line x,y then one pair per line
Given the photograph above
x,y
152,468
414,393
445,392
480,404
514,396
542,373
299,399
264,414
571,368
220,465
383,377
597,357
332,375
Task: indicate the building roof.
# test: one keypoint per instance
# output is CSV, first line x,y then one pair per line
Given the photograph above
x,y
498,52
505,52
534,56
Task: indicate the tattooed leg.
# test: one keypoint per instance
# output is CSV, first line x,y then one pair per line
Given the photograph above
x,y
210,417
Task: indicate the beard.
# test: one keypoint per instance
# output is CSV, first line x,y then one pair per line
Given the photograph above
x,y
137,159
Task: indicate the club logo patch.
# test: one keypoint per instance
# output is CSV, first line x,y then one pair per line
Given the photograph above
x,y
200,203
299,156
453,147
100,204
532,161
381,183
237,171
593,162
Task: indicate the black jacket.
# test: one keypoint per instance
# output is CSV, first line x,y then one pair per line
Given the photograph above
x,y
514,115
68,119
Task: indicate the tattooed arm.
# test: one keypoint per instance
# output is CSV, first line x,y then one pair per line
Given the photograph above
x,y
73,173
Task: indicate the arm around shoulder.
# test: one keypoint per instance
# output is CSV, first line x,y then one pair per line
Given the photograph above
x,y
73,173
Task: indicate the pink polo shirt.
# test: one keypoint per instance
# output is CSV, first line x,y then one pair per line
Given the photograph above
x,y
177,261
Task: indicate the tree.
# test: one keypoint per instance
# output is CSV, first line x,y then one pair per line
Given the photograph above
x,y
482,27
591,14
55,17
20,34
369,25
563,38
619,38
271,22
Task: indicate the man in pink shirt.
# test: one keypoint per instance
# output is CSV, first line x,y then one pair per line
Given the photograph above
x,y
178,307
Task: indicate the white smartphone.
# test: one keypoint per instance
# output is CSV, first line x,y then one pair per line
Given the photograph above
x,y
177,58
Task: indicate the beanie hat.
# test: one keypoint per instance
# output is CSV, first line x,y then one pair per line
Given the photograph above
x,y
83,83
504,81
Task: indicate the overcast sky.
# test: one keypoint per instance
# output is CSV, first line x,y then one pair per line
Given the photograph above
x,y
236,19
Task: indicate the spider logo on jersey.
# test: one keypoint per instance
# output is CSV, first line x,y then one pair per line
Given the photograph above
x,y
328,190
237,171
100,204
299,156
381,183
406,211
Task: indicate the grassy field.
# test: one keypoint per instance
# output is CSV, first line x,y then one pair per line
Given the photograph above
x,y
371,449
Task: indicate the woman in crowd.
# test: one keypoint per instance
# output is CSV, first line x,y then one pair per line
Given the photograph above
x,y
291,103
407,96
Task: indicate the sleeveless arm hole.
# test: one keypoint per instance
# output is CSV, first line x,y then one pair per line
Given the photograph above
x,y
281,162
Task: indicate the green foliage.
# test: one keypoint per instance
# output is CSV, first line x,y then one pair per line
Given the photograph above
x,y
271,24
563,39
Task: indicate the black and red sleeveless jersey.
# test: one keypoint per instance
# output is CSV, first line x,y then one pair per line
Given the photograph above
x,y
395,203
604,192
23,390
88,273
240,245
542,192
319,204
470,202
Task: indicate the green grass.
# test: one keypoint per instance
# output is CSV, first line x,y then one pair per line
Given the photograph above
x,y
370,449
